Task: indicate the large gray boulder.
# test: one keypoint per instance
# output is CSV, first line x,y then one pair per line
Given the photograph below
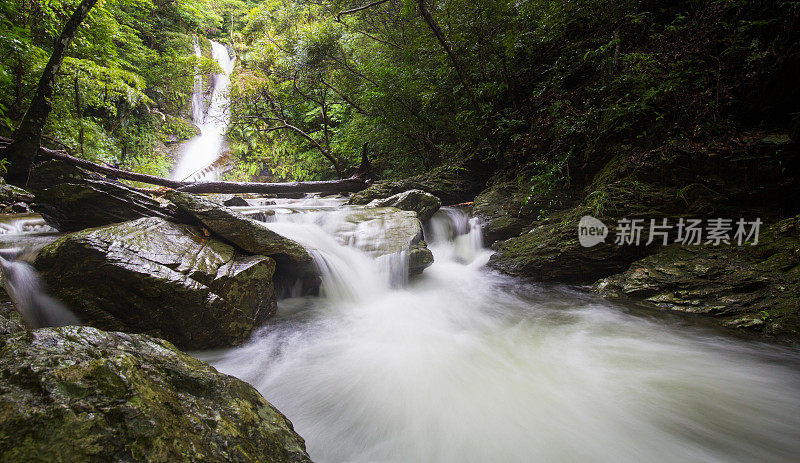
x,y
244,232
382,231
70,199
160,278
81,394
424,204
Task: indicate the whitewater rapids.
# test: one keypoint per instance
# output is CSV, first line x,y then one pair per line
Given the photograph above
x,y
465,365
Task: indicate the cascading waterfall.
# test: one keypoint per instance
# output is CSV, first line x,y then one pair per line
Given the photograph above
x,y
21,238
199,154
25,288
466,365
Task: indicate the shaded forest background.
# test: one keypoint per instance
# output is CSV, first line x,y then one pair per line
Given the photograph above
x,y
538,89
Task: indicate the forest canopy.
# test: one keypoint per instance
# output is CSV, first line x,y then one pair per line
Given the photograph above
x,y
536,85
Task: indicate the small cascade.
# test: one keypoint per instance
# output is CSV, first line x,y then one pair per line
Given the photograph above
x,y
366,232
347,274
25,288
200,153
17,224
457,235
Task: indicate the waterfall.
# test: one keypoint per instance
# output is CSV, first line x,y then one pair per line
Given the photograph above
x,y
198,156
462,364
25,288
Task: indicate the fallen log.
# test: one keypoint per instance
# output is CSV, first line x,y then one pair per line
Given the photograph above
x,y
347,185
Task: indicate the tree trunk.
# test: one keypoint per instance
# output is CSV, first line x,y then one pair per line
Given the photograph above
x,y
27,137
437,31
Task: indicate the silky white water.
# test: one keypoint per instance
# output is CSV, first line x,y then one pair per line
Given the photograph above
x,y
201,151
465,365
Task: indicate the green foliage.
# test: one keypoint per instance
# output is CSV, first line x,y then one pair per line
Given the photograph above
x,y
541,86
128,57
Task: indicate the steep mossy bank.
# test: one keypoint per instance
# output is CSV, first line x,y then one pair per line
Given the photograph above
x,y
751,287
81,394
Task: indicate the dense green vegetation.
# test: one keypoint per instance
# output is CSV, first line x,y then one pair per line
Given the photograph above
x,y
539,87
131,60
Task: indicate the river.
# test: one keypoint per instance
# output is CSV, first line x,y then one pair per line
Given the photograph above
x,y
466,365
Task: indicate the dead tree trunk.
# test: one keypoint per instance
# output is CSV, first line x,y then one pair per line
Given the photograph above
x,y
27,137
347,185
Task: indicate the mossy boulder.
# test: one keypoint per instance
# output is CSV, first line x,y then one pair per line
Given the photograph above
x,y
160,278
70,199
14,199
666,184
551,251
509,207
754,287
81,394
424,204
450,184
419,258
10,320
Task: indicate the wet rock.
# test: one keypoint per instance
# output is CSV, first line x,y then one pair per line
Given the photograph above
x,y
424,204
235,201
160,278
753,288
81,394
450,184
551,251
14,199
10,320
382,231
419,258
11,193
71,199
662,187
244,232
17,208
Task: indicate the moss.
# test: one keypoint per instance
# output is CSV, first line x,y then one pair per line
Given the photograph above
x,y
752,288
142,399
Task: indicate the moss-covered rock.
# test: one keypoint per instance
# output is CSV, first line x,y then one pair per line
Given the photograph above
x,y
70,199
749,287
507,208
551,251
450,184
81,394
668,183
161,278
10,320
424,204
14,199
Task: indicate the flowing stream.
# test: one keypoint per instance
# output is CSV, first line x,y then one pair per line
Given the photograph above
x,y
199,154
465,365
